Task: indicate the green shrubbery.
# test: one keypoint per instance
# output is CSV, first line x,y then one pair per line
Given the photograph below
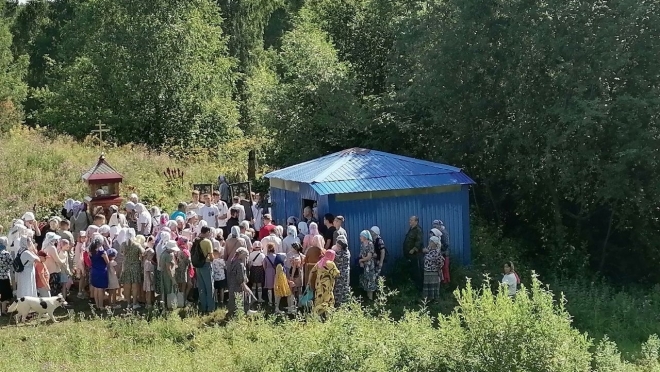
x,y
486,332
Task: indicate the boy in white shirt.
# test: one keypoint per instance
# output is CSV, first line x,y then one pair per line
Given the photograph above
x,y
209,212
195,204
224,213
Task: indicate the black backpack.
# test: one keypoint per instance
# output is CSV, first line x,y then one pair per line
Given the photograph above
x,y
18,265
197,257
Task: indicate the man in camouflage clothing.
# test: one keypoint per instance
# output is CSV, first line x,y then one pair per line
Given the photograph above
x,y
412,249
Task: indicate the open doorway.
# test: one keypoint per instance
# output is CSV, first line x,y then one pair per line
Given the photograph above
x,y
307,203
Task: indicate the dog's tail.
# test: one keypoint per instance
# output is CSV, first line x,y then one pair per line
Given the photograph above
x,y
13,307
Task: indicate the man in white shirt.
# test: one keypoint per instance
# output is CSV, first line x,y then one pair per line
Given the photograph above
x,y
209,212
195,204
224,213
241,209
272,238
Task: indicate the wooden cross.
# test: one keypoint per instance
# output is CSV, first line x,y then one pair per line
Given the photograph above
x,y
101,129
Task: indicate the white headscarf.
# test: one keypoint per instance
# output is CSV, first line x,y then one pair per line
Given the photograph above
x,y
235,231
121,236
49,239
291,231
15,234
92,229
28,216
201,224
104,229
130,234
163,238
68,205
302,228
114,233
139,207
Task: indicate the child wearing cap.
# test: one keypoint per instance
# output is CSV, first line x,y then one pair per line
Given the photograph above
x,y
113,281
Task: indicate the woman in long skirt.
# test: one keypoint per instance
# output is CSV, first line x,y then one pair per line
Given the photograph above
x,y
433,262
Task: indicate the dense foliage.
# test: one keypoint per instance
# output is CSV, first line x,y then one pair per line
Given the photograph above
x,y
551,106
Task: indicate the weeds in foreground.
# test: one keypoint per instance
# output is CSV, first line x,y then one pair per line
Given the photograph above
x,y
486,332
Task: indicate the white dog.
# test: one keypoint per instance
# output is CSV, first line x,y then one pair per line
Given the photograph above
x,y
40,305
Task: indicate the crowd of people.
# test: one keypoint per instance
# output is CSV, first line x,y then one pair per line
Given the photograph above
x,y
207,251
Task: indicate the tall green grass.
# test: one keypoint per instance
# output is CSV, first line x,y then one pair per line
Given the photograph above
x,y
486,332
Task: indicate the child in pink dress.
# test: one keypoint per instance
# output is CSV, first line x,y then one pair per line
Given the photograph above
x,y
113,281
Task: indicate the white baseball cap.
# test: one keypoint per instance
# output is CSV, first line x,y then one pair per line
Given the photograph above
x,y
28,216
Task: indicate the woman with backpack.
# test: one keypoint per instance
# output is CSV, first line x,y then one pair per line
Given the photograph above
x,y
24,267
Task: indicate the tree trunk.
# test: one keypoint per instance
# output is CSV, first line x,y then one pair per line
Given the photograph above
x,y
252,165
603,253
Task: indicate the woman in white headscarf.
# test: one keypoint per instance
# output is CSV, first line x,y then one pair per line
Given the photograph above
x,y
144,220
167,265
68,208
54,263
303,230
131,275
26,280
233,243
291,237
80,218
117,219
163,238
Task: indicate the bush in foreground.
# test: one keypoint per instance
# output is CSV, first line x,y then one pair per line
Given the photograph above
x,y
485,332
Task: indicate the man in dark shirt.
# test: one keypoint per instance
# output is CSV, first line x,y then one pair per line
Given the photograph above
x,y
329,233
231,222
412,249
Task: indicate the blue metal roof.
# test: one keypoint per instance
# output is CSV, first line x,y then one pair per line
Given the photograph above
x,y
362,170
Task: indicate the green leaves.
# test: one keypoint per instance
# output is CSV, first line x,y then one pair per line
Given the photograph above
x,y
156,73
12,72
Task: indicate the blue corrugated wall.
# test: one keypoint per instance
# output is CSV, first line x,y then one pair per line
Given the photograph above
x,y
286,203
391,216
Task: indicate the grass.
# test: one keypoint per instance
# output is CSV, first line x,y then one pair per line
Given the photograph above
x,y
485,332
44,170
469,330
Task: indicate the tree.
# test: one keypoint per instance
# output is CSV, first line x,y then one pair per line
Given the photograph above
x,y
312,109
13,89
155,72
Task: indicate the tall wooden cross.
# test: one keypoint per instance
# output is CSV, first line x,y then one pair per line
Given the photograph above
x,y
100,130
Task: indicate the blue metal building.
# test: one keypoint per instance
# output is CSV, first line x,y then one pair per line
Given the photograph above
x,y
370,188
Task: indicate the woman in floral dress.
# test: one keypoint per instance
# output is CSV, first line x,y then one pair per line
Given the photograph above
x,y
342,289
324,274
367,255
131,274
